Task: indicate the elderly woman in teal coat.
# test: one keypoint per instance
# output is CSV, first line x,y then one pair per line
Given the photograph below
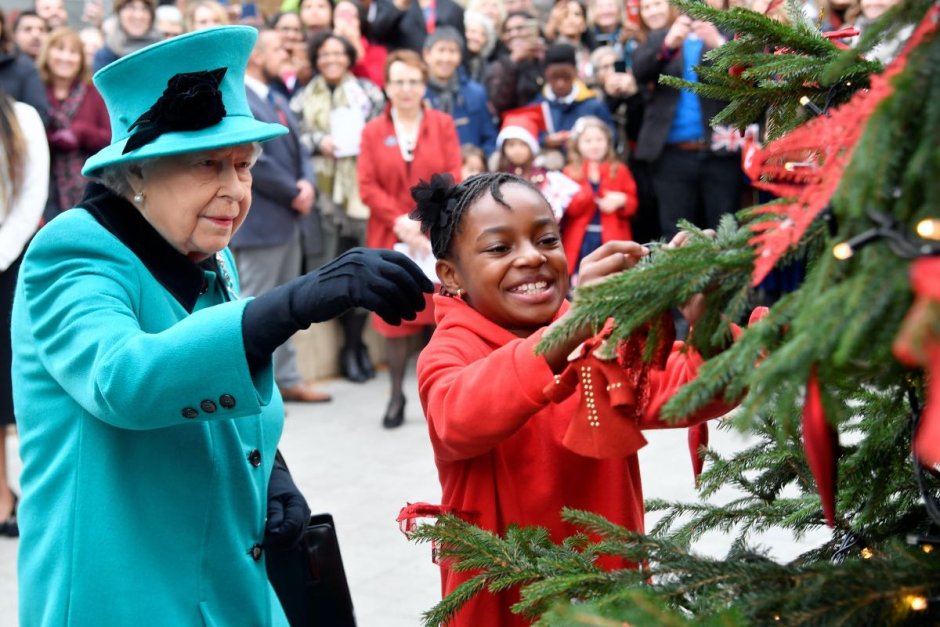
x,y
147,412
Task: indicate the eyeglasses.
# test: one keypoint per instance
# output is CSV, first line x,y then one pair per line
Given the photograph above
x,y
410,84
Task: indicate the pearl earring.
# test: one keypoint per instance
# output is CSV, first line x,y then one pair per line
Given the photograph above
x,y
138,198
459,292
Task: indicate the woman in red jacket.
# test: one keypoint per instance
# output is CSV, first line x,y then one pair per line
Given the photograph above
x,y
406,144
601,211
499,441
78,124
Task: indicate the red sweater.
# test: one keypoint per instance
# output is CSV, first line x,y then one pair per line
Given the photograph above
x,y
614,226
497,440
372,64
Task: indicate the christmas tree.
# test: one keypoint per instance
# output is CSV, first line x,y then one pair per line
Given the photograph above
x,y
852,154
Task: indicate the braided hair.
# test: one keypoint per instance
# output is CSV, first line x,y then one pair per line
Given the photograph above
x,y
440,204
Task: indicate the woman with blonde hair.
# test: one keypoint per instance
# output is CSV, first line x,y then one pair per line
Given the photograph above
x,y
205,14
78,123
24,184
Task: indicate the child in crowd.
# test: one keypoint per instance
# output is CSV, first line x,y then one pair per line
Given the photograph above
x,y
518,147
496,436
601,210
473,161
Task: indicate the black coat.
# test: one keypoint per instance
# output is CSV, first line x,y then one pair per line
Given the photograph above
x,y
648,64
396,29
20,80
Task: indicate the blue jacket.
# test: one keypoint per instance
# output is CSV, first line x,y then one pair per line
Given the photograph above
x,y
471,114
147,444
585,103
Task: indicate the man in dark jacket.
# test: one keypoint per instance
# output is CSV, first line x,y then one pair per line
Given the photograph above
x,y
269,246
695,178
450,91
18,75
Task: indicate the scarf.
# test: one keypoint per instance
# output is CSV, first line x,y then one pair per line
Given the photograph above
x,y
67,166
335,177
446,93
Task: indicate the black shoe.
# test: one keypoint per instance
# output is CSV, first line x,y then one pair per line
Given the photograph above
x,y
394,416
9,527
365,361
349,364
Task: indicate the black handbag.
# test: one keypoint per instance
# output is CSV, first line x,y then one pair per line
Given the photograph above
x,y
310,580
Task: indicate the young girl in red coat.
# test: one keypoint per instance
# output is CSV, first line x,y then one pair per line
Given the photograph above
x,y
601,211
499,441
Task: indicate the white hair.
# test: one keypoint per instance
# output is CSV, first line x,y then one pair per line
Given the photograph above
x,y
475,17
117,176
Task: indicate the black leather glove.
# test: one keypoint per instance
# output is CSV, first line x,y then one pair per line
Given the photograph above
x,y
381,280
288,512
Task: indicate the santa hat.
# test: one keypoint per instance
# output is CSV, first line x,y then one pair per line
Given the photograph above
x,y
526,124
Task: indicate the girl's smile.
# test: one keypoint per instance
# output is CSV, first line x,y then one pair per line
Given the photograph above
x,y
508,261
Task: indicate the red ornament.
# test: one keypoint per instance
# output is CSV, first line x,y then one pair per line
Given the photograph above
x,y
614,392
820,441
806,165
918,345
698,440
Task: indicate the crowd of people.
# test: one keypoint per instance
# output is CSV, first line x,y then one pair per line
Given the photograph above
x,y
360,104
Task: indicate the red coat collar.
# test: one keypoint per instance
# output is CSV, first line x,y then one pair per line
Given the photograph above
x,y
453,312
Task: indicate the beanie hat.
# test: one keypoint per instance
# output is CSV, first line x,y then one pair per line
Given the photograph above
x,y
560,54
443,33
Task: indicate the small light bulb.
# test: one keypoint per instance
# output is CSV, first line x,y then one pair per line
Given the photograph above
x,y
867,553
789,166
804,100
929,228
842,251
927,548
917,602
777,617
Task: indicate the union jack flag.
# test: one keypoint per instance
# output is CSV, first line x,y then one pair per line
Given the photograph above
x,y
730,139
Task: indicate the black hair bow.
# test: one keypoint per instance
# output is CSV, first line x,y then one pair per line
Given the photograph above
x,y
191,101
435,201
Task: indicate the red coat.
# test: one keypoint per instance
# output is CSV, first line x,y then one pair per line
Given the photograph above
x,y
385,182
497,439
614,226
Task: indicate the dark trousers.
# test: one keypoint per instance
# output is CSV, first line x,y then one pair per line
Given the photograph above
x,y
697,186
7,287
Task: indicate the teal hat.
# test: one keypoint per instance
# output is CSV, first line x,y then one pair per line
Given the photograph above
x,y
184,94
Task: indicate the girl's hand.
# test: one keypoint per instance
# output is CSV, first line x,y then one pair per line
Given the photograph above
x,y
611,202
693,308
611,258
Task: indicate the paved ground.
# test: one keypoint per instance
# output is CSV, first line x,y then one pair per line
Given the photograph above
x,y
346,464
